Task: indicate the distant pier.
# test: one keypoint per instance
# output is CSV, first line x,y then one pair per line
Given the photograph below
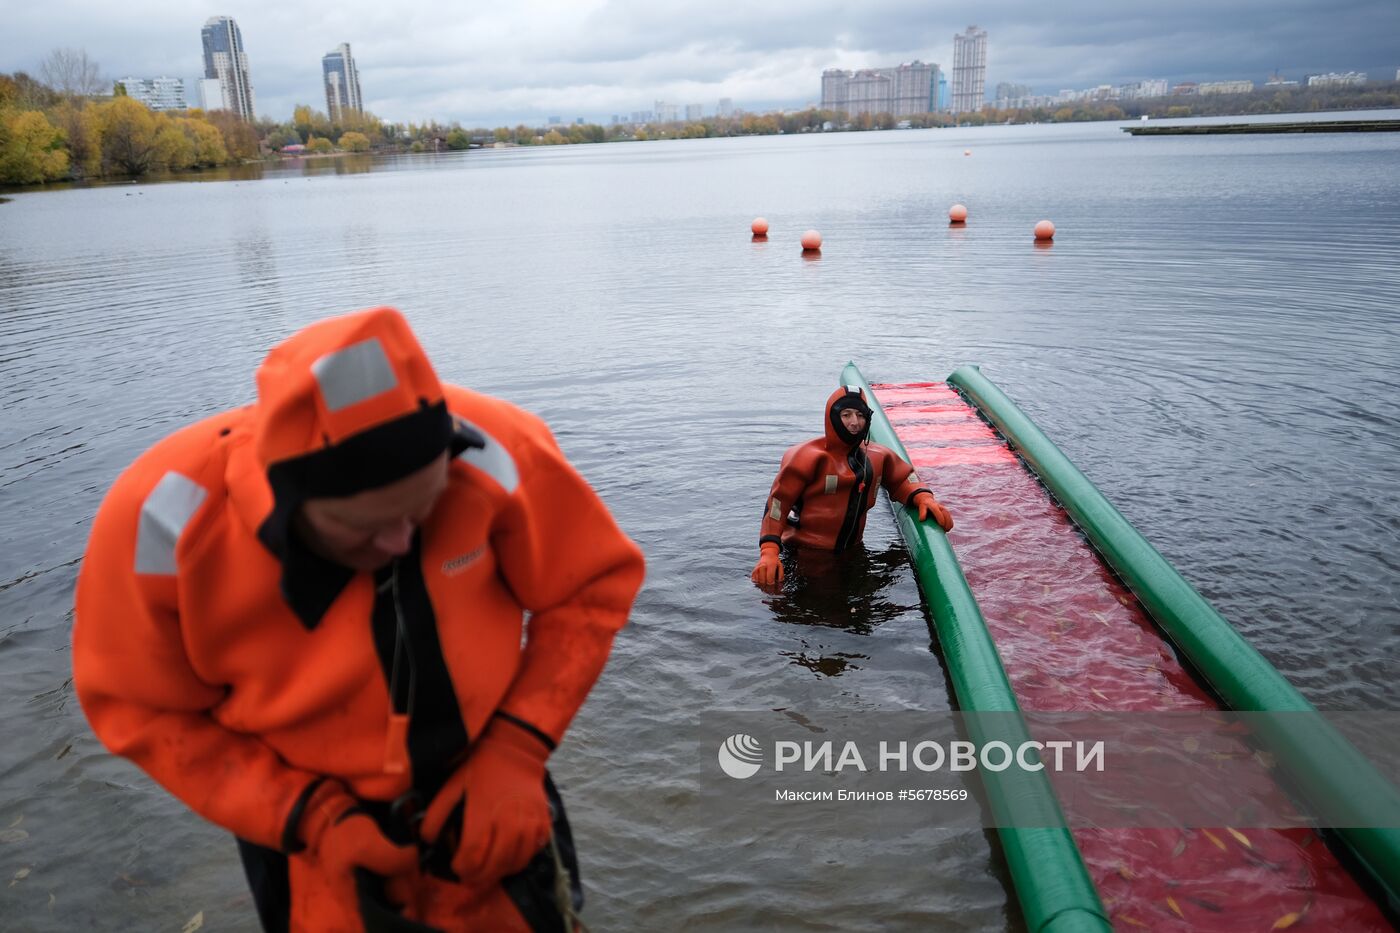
x,y
1316,126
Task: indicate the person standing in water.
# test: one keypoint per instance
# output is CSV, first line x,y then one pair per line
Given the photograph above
x,y
826,485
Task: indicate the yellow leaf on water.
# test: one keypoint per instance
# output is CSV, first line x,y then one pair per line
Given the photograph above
x,y
1176,909
1096,693
1215,839
19,819
1286,921
1126,872
13,835
1240,837
1190,743
19,876
194,923
1133,921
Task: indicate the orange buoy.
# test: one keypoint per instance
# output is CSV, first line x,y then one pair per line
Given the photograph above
x,y
759,227
957,214
811,240
1045,230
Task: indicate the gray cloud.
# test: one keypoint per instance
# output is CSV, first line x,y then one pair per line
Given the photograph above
x,y
491,64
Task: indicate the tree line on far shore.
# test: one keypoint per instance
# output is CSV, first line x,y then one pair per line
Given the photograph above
x,y
61,126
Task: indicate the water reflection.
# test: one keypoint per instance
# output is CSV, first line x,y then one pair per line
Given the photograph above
x,y
849,591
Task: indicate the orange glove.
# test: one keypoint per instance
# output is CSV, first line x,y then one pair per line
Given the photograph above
x,y
506,818
768,572
929,507
344,838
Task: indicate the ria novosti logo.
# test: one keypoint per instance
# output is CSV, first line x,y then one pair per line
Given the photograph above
x,y
740,756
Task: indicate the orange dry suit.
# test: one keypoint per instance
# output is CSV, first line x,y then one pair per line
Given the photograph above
x,y
246,673
826,485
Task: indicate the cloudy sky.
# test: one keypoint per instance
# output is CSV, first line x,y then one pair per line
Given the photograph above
x,y
487,64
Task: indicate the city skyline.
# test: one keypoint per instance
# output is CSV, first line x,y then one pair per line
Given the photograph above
x,y
503,66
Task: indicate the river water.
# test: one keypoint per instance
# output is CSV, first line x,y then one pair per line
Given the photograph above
x,y
1212,338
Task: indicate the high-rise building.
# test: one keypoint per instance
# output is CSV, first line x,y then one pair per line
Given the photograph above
x,y
342,83
726,106
969,70
902,90
694,112
156,93
225,61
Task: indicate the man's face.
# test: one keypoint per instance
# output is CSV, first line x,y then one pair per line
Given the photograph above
x,y
852,420
367,530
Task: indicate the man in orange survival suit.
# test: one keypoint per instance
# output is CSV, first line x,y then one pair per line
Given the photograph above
x,y
304,618
830,482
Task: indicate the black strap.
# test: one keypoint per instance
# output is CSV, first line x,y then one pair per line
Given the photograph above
x,y
437,736
291,842
528,726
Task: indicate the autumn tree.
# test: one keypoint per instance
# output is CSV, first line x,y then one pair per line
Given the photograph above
x,y
129,134
206,140
71,73
174,150
27,93
310,122
354,142
31,148
240,139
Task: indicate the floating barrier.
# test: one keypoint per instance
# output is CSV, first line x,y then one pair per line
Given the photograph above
x,y
1059,646
1318,759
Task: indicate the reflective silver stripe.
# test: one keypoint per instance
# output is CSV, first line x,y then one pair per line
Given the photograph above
x,y
352,374
164,514
493,459
775,509
852,389
830,483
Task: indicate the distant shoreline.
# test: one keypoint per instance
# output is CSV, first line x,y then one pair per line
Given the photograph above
x,y
252,169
